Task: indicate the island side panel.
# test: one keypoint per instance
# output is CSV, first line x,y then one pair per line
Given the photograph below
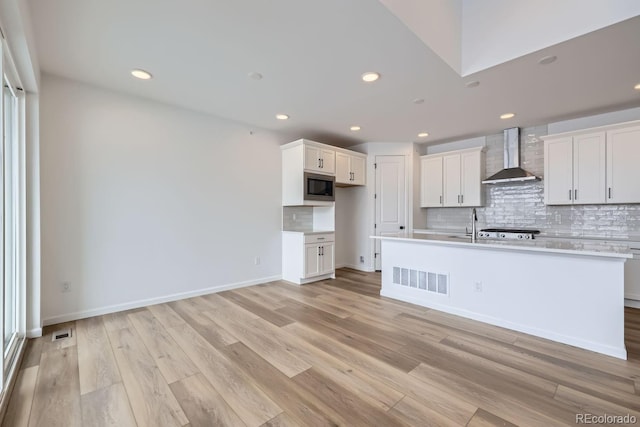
x,y
573,299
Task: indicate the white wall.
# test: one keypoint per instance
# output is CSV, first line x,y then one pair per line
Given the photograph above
x,y
145,202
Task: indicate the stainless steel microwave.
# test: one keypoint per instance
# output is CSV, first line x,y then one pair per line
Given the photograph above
x,y
319,187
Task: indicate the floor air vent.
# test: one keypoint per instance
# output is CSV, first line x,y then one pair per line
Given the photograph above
x,y
424,280
60,335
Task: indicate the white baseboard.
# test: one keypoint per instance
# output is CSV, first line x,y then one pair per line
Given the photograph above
x,y
68,317
354,267
34,333
631,303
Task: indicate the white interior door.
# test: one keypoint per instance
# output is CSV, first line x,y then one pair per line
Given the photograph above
x,y
391,199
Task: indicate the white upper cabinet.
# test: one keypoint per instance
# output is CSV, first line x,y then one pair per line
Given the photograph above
x,y
431,182
623,168
558,171
319,159
575,169
593,166
350,168
452,179
471,171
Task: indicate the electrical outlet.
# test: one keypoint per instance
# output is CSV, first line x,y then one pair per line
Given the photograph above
x,y
65,287
361,259
256,261
478,286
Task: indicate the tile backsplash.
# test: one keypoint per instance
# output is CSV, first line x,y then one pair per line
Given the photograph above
x,y
521,205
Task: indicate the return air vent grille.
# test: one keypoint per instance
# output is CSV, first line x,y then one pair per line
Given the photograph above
x,y
437,283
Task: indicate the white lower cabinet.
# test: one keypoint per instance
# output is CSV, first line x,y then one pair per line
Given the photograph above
x,y
307,257
318,259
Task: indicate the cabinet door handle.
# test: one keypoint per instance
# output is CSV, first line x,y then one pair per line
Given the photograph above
x,y
609,192
569,194
319,250
322,250
462,199
440,199
322,163
320,238
575,194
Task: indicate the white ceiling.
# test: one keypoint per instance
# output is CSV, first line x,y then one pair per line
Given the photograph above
x,y
312,53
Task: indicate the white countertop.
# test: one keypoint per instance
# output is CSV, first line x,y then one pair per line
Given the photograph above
x,y
601,248
309,232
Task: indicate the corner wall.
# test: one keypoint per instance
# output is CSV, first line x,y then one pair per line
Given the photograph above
x,y
143,202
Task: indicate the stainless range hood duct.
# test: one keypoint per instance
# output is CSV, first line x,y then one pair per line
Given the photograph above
x,y
512,171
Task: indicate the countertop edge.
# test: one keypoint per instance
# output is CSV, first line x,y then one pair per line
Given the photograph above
x,y
506,247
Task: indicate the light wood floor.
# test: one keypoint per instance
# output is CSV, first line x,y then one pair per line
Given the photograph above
x,y
330,353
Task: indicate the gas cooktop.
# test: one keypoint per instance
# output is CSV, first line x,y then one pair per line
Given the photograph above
x,y
507,233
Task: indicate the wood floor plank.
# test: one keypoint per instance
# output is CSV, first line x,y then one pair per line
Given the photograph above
x,y
262,294
317,320
343,403
413,413
168,356
501,404
484,418
313,302
96,362
107,406
295,401
268,345
32,352
482,371
56,400
249,402
194,315
451,406
119,320
617,389
282,420
265,313
19,408
202,404
583,402
152,401
166,315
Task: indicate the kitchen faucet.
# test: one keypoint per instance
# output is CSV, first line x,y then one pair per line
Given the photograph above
x,y
474,219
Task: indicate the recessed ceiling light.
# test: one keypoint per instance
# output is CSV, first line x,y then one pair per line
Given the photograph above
x,y
282,116
141,74
255,76
355,128
423,134
547,59
418,101
637,87
473,83
507,116
370,76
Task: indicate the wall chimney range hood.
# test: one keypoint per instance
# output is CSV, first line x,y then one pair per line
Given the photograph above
x,y
512,171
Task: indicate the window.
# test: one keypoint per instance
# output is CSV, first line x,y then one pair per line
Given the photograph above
x,y
12,306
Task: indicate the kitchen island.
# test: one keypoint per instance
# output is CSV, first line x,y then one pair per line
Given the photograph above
x,y
563,292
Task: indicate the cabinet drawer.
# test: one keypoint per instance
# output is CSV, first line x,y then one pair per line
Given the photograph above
x,y
319,238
